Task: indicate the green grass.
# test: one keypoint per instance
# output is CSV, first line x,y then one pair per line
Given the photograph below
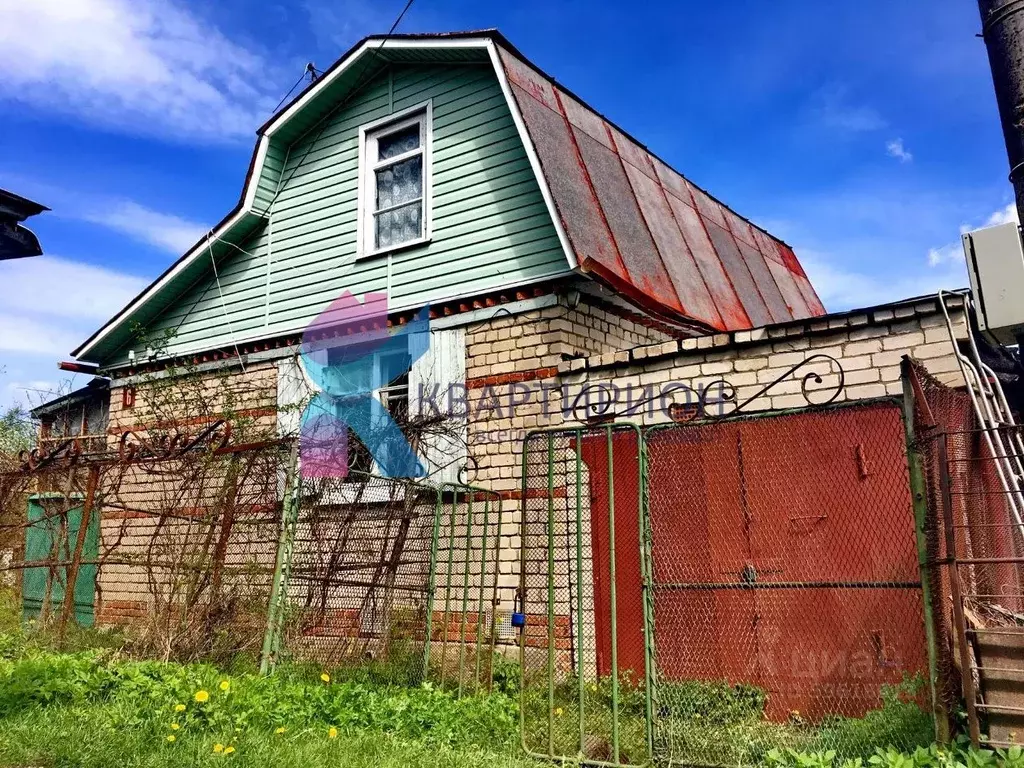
x,y
709,723
88,735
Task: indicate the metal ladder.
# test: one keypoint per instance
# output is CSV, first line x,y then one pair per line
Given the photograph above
x,y
1000,432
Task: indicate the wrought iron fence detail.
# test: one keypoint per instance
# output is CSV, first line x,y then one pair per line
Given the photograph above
x,y
821,378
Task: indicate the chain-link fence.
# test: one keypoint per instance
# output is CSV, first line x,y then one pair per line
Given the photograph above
x,y
705,593
586,642
786,590
204,550
975,547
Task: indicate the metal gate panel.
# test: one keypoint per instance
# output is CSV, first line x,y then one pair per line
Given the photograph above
x,y
695,481
585,642
784,567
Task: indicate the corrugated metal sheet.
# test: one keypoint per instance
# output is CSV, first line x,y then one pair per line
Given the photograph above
x,y
645,230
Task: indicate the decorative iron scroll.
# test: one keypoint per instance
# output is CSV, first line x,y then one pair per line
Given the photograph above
x,y
132,446
715,400
40,456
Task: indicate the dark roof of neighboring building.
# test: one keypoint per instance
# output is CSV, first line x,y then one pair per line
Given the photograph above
x,y
17,207
97,387
16,241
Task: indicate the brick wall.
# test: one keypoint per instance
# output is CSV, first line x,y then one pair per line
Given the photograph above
x,y
522,369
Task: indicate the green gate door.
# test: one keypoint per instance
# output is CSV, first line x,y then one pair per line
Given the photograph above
x,y
46,539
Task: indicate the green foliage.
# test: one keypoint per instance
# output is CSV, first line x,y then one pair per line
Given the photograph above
x,y
715,703
17,431
957,755
148,694
900,722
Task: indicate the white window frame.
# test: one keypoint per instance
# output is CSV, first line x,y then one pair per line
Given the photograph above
x,y
421,114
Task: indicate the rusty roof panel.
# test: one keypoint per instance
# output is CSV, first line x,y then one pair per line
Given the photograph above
x,y
739,227
770,293
809,294
643,228
736,267
791,292
569,185
619,203
694,297
707,207
529,80
672,181
585,119
730,309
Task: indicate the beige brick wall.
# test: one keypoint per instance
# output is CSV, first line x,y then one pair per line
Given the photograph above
x,y
551,354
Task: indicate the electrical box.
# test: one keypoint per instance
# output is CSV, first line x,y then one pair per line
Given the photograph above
x,y
995,263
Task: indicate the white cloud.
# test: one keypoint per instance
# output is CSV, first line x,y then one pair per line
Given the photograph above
x,y
49,306
1003,216
145,66
48,286
842,288
163,230
880,240
896,149
954,252
835,110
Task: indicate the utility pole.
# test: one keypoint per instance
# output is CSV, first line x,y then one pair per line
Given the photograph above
x,y
1002,26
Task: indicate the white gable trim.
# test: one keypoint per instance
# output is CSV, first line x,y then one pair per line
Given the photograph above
x,y
249,197
531,153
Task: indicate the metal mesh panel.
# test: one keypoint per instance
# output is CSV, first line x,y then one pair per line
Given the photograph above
x,y
584,645
976,553
358,582
215,552
466,621
786,592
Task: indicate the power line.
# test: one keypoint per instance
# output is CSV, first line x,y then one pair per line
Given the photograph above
x,y
352,93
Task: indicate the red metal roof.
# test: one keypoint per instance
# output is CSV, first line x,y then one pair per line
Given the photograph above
x,y
646,231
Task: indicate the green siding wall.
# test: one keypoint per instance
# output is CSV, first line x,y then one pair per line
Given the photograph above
x,y
490,224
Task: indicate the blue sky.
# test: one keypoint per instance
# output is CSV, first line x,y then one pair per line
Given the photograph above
x,y
864,134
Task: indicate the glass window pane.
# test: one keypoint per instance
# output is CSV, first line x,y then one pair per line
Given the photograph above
x,y
400,183
398,142
400,225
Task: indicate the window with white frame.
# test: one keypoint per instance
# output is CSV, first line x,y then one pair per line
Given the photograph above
x,y
394,172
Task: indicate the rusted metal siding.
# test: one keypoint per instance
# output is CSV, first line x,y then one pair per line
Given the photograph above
x,y
641,227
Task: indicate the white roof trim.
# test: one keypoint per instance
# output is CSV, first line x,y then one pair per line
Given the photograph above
x,y
531,153
249,198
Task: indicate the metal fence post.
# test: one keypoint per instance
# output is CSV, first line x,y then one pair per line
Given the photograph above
x,y
919,493
431,585
551,596
612,596
959,620
579,588
647,575
278,589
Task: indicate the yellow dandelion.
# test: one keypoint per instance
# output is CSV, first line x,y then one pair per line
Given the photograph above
x,y
202,696
228,750
325,677
172,737
593,687
332,732
280,730
218,748
225,686
175,726
179,707
558,711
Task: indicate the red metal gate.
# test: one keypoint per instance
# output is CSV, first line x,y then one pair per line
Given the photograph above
x,y
784,556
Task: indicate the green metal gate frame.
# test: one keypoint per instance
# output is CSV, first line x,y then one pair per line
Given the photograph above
x,y
644,532
492,506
